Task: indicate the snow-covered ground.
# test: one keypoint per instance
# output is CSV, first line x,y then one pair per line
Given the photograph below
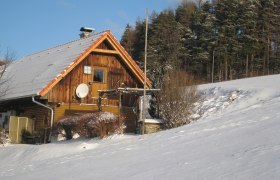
x,y
237,137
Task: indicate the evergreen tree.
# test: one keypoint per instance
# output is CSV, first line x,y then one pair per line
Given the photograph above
x,y
224,39
184,15
275,55
247,36
128,39
227,45
164,45
139,43
268,23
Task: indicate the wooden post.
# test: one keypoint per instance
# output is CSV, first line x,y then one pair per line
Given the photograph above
x,y
145,77
120,103
99,101
17,130
141,113
45,135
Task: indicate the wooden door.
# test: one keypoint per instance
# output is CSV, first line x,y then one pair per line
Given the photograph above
x,y
16,125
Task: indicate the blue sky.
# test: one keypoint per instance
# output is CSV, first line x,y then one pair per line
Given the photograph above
x,y
28,26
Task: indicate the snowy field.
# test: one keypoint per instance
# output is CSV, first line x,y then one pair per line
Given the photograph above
x,y
236,137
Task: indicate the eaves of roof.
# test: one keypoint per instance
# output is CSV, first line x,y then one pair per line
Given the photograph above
x,y
38,73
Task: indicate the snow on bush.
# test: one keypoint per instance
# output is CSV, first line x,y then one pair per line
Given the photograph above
x,y
4,139
68,126
99,124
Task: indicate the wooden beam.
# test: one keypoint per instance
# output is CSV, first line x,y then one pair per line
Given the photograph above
x,y
127,59
73,65
106,51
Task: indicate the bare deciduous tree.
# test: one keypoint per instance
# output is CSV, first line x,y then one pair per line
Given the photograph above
x,y
177,97
6,59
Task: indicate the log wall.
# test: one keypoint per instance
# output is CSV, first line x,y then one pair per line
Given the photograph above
x,y
40,115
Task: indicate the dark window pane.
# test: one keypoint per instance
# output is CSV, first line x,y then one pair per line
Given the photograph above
x,y
98,75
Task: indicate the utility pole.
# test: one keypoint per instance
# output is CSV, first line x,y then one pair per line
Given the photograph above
x,y
145,74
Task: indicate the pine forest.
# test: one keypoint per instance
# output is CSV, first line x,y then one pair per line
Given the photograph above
x,y
211,40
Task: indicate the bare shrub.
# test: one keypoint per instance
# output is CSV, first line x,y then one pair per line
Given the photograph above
x,y
69,125
4,139
99,124
103,124
24,134
177,97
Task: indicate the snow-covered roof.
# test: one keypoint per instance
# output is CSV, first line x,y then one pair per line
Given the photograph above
x,y
29,75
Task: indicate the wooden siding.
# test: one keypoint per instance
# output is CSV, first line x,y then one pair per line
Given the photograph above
x,y
130,119
68,109
117,75
63,97
40,115
60,112
105,45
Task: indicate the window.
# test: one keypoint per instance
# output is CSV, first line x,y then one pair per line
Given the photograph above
x,y
87,70
98,75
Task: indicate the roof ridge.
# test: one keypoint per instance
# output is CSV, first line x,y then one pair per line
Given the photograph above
x,y
105,31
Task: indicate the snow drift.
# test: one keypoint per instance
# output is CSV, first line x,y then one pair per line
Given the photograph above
x,y
236,137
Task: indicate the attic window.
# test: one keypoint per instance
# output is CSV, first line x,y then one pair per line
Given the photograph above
x,y
87,70
99,75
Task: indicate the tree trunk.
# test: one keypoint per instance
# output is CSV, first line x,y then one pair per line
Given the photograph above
x,y
247,64
230,73
252,65
226,66
268,45
220,72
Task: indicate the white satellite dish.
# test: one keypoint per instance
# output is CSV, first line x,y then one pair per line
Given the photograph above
x,y
82,90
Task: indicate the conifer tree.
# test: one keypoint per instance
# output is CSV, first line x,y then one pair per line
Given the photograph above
x,y
224,39
204,40
227,45
139,43
184,15
164,45
268,25
128,39
247,36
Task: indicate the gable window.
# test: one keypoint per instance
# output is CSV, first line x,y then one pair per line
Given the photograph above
x,y
99,75
87,70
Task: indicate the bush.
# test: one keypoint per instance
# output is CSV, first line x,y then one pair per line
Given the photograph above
x,y
68,126
96,124
24,134
103,124
176,98
4,139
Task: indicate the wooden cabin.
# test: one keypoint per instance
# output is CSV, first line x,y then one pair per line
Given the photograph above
x,y
44,87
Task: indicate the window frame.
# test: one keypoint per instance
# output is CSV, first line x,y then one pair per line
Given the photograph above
x,y
104,74
87,70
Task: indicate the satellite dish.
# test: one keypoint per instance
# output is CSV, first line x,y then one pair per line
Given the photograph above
x,y
82,90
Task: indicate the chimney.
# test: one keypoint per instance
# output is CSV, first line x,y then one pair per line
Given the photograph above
x,y
86,32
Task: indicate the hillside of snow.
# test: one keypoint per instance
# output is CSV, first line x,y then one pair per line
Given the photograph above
x,y
236,137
